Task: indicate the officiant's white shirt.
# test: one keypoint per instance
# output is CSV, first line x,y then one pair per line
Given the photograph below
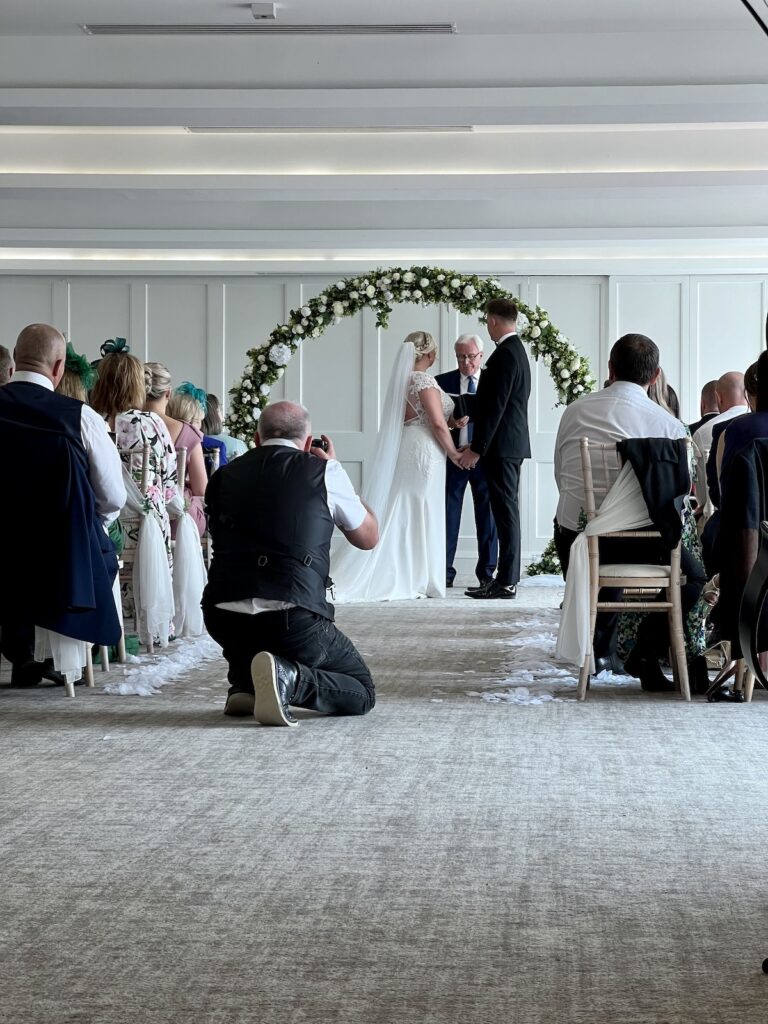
x,y
105,470
346,509
619,411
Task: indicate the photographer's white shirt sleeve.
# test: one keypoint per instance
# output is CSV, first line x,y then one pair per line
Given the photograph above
x,y
346,508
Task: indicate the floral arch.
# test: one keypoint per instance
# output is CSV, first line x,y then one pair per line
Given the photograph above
x,y
380,290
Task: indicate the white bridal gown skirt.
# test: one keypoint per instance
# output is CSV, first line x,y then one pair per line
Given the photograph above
x,y
409,560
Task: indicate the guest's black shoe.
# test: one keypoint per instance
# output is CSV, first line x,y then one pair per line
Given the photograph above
x,y
725,695
698,675
448,584
274,682
610,663
495,591
26,675
239,704
648,671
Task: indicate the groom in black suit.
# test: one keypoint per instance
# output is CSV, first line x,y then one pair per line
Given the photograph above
x,y
501,439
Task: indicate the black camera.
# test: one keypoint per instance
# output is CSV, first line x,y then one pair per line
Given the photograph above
x,y
319,442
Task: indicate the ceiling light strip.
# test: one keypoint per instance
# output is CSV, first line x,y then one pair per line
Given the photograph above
x,y
270,30
325,129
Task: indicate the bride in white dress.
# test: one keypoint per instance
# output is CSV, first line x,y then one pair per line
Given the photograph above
x,y
406,489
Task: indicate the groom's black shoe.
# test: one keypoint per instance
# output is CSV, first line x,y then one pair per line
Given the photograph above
x,y
495,591
471,591
274,683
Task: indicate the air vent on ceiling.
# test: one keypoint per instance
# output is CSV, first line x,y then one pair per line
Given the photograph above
x,y
264,29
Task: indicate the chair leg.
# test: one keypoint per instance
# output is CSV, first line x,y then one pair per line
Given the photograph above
x,y
677,642
104,655
88,673
584,678
749,686
121,655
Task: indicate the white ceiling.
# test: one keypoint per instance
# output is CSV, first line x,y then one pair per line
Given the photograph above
x,y
618,128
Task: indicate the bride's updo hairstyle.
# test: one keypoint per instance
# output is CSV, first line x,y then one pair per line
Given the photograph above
x,y
423,343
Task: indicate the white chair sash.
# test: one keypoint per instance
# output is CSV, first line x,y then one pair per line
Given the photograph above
x,y
152,584
189,578
69,655
624,508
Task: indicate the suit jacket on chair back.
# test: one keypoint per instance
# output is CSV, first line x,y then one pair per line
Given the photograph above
x,y
501,407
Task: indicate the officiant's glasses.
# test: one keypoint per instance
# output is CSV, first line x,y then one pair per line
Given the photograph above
x,y
469,358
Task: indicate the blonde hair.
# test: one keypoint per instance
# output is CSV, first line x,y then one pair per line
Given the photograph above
x,y
157,380
71,385
422,341
185,408
119,385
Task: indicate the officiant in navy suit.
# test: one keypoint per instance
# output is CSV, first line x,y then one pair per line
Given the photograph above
x,y
464,381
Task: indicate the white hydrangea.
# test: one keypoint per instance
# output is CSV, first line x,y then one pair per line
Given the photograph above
x,y
409,277
305,310
354,295
388,296
384,283
264,389
406,293
256,412
522,323
455,282
445,290
340,285
565,374
441,277
298,329
469,292
370,291
280,354
338,309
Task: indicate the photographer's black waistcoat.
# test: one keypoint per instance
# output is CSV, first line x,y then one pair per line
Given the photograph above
x,y
271,528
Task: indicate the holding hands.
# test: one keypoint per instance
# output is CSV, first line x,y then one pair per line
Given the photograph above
x,y
467,458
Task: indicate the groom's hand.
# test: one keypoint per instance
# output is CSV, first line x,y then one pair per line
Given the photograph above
x,y
468,459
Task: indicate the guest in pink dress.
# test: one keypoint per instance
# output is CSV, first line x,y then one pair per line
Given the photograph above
x,y
183,433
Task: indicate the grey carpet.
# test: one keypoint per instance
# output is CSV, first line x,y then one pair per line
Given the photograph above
x,y
434,862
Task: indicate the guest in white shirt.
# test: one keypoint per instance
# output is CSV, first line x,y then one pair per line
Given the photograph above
x,y
732,402
621,410
464,381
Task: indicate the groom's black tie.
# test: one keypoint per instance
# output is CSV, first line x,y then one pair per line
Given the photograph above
x,y
471,390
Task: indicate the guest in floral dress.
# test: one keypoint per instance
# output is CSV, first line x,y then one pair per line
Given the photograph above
x,y
119,396
182,435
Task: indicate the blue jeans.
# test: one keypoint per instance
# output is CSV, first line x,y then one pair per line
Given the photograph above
x,y
333,678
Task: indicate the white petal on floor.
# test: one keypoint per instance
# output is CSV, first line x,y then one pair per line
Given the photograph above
x,y
145,675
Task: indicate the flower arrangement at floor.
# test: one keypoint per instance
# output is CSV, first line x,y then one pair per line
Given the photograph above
x,y
548,563
380,290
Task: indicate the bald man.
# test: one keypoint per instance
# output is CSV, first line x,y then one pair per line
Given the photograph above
x,y
708,407
272,514
30,408
732,402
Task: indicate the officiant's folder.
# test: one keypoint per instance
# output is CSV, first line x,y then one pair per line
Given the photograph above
x,y
464,405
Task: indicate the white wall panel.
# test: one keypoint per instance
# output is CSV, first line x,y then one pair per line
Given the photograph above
x,y
25,301
728,325
252,309
177,328
100,308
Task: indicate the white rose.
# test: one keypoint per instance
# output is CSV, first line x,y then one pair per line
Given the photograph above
x,y
322,299
370,291
338,309
388,296
262,359
395,277
316,333
469,292
578,388
576,363
319,320
445,290
354,295
441,277
424,282
455,282
366,282
543,324
264,389
416,293
340,285
305,321
535,332
386,282
305,310
298,329
565,374
406,293
408,277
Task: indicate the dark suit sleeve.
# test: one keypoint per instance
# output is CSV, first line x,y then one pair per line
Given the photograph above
x,y
497,382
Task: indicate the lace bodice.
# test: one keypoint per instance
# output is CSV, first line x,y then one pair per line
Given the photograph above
x,y
420,381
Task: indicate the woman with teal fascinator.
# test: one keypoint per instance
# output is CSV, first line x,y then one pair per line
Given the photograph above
x,y
190,404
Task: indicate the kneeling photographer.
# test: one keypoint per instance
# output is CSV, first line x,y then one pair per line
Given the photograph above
x,y
271,516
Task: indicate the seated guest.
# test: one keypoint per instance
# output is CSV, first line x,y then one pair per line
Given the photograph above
x,y
739,432
6,365
183,435
78,378
190,404
265,602
213,427
59,454
620,411
664,394
708,407
118,395
732,402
